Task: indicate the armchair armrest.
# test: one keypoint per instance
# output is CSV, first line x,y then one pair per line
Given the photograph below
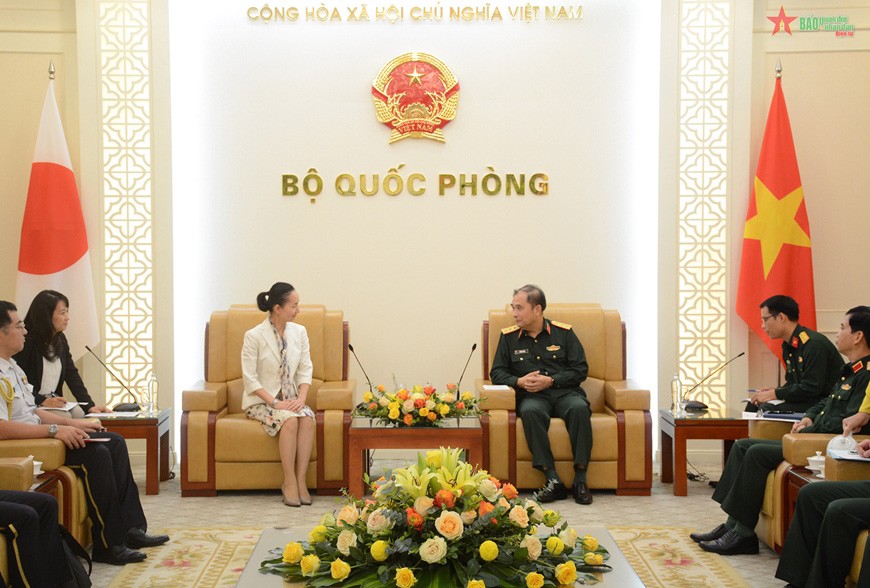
x,y
796,448
336,395
204,396
51,452
772,430
16,473
495,399
625,395
843,470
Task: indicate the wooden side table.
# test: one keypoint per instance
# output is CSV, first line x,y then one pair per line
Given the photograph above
x,y
155,430
795,479
677,429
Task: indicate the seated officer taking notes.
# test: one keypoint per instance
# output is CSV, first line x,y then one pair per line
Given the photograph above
x,y
544,362
812,363
740,491
117,521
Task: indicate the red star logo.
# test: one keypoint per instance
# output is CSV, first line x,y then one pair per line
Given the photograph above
x,y
781,22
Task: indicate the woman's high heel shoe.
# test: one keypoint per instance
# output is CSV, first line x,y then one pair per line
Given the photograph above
x,y
305,501
293,503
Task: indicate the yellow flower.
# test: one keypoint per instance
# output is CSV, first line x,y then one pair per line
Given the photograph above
x,y
566,573
466,396
589,542
433,459
488,550
317,534
293,552
309,564
551,517
424,411
367,396
555,545
444,409
476,584
394,413
339,569
534,580
593,559
393,406
379,550
405,578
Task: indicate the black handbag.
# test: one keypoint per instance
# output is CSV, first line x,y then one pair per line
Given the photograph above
x,y
74,551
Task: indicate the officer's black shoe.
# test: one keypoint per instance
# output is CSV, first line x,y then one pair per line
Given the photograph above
x,y
137,538
732,544
552,492
711,536
581,493
117,555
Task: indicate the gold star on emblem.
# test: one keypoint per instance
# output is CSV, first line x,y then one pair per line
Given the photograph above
x,y
774,224
415,77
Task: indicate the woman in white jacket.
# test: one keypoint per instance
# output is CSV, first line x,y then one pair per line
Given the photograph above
x,y
276,366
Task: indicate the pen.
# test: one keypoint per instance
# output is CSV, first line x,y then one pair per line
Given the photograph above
x,y
82,403
753,390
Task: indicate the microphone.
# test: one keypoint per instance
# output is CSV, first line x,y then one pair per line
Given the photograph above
x,y
697,405
467,361
349,346
124,406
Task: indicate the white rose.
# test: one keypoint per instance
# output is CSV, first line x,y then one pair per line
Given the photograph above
x,y
383,401
488,490
519,517
430,404
568,537
502,502
418,396
537,512
433,550
450,525
533,545
468,516
448,397
346,540
378,522
408,406
349,515
327,520
423,504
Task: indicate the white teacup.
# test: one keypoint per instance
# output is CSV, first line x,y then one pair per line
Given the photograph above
x,y
821,472
37,467
816,462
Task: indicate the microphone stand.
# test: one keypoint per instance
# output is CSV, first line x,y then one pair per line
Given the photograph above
x,y
710,375
467,361
349,346
117,379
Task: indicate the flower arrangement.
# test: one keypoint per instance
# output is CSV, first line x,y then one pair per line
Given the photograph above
x,y
440,523
418,407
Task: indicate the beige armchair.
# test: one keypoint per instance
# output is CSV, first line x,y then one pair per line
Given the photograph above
x,y
771,528
222,449
52,453
621,423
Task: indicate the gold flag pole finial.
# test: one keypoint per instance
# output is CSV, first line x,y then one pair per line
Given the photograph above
x,y
778,69
51,70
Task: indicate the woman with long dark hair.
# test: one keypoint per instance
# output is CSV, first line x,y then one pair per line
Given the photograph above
x,y
46,357
276,367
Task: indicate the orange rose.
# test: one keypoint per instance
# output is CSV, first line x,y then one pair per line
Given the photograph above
x,y
460,405
380,388
444,498
432,416
429,390
415,519
495,481
485,508
402,394
509,491
373,406
409,419
420,403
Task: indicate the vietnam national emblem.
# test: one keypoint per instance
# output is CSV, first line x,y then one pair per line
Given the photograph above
x,y
415,95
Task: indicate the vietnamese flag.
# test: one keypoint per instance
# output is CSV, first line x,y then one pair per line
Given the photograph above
x,y
54,244
777,258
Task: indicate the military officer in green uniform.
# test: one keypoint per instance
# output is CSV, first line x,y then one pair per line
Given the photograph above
x,y
812,363
544,362
740,491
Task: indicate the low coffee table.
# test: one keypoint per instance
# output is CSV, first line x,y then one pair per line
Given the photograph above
x,y
622,575
365,434
676,429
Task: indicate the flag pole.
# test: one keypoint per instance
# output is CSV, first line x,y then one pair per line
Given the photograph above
x,y
778,69
51,69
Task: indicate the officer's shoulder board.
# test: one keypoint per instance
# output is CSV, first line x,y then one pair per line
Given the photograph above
x,y
565,326
509,330
804,336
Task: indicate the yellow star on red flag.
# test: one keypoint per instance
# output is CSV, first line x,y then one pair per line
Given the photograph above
x,y
775,224
781,22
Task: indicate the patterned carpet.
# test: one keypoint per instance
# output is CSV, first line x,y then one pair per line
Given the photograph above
x,y
212,558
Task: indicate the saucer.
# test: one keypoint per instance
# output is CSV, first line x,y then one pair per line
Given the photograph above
x,y
38,473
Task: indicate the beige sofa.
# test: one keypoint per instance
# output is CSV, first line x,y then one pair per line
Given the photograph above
x,y
221,449
621,423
